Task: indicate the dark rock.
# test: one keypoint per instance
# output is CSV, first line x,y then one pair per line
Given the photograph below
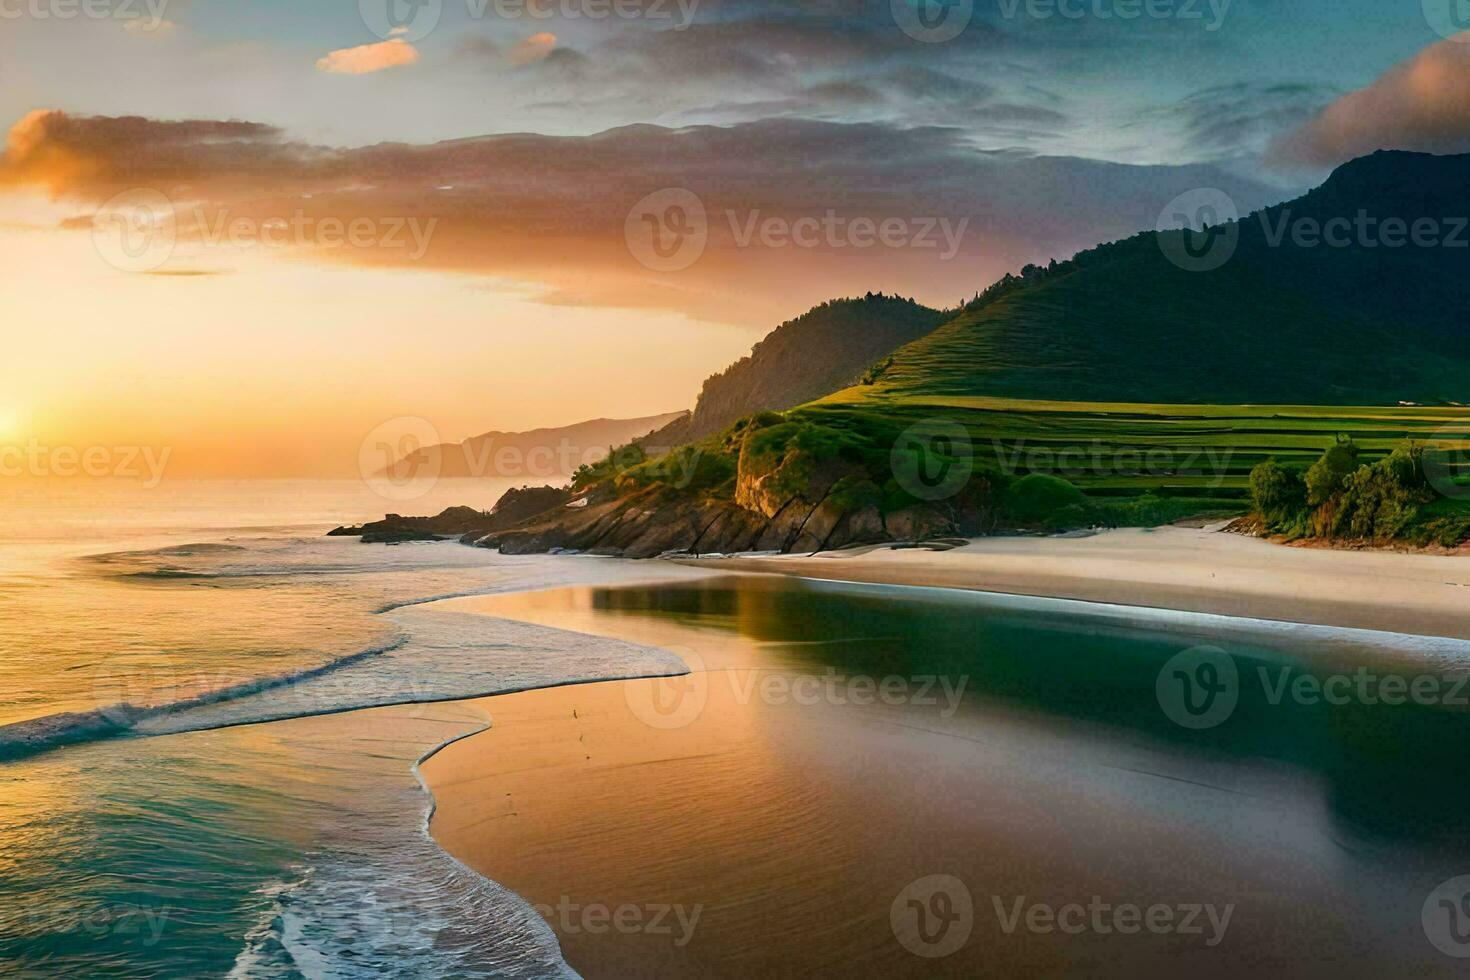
x,y
919,523
398,536
819,526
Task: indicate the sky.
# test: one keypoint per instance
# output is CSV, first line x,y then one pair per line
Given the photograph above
x,y
254,231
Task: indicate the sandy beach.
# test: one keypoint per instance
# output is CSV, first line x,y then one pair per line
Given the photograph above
x,y
1177,568
720,825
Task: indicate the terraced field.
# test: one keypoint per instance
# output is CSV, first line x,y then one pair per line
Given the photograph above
x,y
1125,449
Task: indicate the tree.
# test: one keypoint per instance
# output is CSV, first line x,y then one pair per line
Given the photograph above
x,y
1279,493
1328,475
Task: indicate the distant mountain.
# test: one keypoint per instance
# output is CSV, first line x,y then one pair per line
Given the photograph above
x,y
819,352
1313,306
540,454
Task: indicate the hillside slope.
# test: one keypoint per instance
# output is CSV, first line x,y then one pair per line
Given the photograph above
x,y
825,349
1280,322
1119,388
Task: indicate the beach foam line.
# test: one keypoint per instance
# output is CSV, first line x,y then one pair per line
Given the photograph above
x,y
25,738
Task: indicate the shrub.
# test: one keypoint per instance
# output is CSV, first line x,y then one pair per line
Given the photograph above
x,y
1329,473
1279,493
689,468
1035,498
617,461
1379,501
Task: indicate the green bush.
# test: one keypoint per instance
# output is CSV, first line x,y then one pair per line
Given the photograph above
x,y
700,468
1036,498
1378,501
1280,495
617,461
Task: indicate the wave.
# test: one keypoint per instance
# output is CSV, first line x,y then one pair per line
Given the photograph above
x,y
66,728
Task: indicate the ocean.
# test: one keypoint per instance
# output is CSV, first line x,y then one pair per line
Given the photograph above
x,y
213,719
230,848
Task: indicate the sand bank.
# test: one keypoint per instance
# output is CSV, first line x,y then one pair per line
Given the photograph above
x,y
1177,568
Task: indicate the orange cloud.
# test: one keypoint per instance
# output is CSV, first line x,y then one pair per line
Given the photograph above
x,y
392,53
533,48
1422,104
691,219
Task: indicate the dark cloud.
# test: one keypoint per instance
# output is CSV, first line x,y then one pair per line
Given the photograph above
x,y
1229,121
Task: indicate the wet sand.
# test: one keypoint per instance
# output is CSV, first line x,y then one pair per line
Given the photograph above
x,y
709,826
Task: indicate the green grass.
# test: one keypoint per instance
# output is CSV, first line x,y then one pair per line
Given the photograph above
x,y
1135,465
1123,450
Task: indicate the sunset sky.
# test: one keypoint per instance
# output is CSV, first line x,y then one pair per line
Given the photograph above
x,y
440,218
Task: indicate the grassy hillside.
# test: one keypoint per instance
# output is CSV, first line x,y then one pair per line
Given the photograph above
x,y
1121,389
1112,449
824,349
1279,322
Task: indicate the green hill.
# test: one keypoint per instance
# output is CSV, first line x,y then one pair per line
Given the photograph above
x,y
1283,321
824,349
1132,385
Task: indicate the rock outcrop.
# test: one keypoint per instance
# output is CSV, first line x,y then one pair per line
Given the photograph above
x,y
515,507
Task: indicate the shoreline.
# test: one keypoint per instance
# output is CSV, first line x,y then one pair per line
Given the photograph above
x,y
574,802
1185,569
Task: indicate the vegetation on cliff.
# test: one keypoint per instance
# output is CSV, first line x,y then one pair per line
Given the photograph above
x,y
1339,498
